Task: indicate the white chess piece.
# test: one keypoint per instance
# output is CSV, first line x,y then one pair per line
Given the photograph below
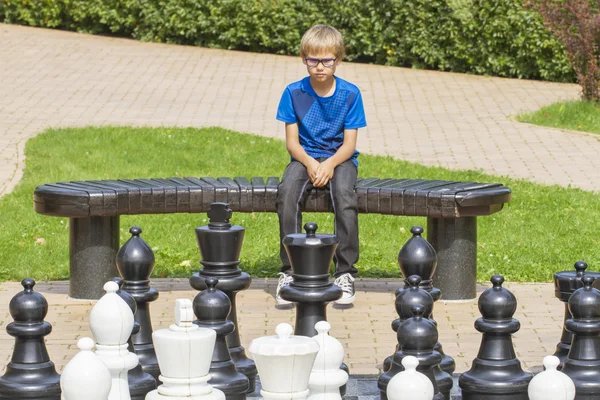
x,y
184,352
551,384
111,322
284,363
410,384
326,377
85,377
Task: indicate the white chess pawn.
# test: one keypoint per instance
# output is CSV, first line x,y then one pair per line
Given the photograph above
x,y
85,377
284,363
111,322
410,384
551,384
326,377
184,352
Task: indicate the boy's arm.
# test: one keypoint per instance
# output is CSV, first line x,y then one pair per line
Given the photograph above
x,y
326,168
292,143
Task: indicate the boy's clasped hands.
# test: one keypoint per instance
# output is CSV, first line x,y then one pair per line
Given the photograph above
x,y
320,173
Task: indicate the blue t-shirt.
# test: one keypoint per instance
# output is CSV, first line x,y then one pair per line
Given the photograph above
x,y
322,120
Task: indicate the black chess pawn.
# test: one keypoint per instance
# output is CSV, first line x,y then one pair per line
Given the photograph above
x,y
220,245
418,257
405,300
140,382
211,307
135,262
582,364
496,373
565,284
417,336
30,373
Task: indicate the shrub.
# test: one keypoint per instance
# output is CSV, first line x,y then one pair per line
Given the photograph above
x,y
577,24
494,37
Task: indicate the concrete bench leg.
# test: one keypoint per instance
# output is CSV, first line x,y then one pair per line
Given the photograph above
x,y
455,240
93,247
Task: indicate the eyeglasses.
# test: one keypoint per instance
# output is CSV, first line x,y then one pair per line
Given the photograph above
x,y
327,62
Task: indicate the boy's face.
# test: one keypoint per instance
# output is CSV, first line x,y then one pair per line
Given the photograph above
x,y
321,66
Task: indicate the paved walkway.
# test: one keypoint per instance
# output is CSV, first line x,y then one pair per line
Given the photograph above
x,y
363,329
51,78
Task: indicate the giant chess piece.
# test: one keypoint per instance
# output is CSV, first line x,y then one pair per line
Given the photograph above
x,y
85,376
135,262
418,257
220,244
212,307
405,300
551,384
30,373
583,362
310,256
140,382
410,384
111,322
184,352
565,284
284,363
326,377
496,372
416,337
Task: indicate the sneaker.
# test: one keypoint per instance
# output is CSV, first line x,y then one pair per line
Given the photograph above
x,y
346,283
284,280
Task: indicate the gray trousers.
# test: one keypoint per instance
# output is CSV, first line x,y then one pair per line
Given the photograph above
x,y
293,190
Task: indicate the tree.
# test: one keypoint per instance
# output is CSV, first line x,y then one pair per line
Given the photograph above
x,y
576,23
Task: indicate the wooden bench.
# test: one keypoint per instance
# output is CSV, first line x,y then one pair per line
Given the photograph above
x,y
94,208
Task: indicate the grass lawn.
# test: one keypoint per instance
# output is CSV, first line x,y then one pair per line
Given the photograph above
x,y
543,230
573,115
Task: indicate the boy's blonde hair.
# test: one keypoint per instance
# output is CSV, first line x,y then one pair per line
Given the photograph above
x,y
320,39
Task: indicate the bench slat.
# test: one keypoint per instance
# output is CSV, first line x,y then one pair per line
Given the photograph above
x,y
258,194
245,193
208,192
271,189
233,193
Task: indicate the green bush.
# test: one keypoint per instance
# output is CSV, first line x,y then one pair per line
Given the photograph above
x,y
493,37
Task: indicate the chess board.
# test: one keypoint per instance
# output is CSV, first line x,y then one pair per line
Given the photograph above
x,y
363,387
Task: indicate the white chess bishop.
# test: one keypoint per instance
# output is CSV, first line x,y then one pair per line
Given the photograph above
x,y
111,322
551,384
184,352
284,363
85,377
326,377
410,384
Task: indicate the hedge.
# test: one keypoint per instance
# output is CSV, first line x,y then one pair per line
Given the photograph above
x,y
492,37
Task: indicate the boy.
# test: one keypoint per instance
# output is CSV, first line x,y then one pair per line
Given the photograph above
x,y
322,114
